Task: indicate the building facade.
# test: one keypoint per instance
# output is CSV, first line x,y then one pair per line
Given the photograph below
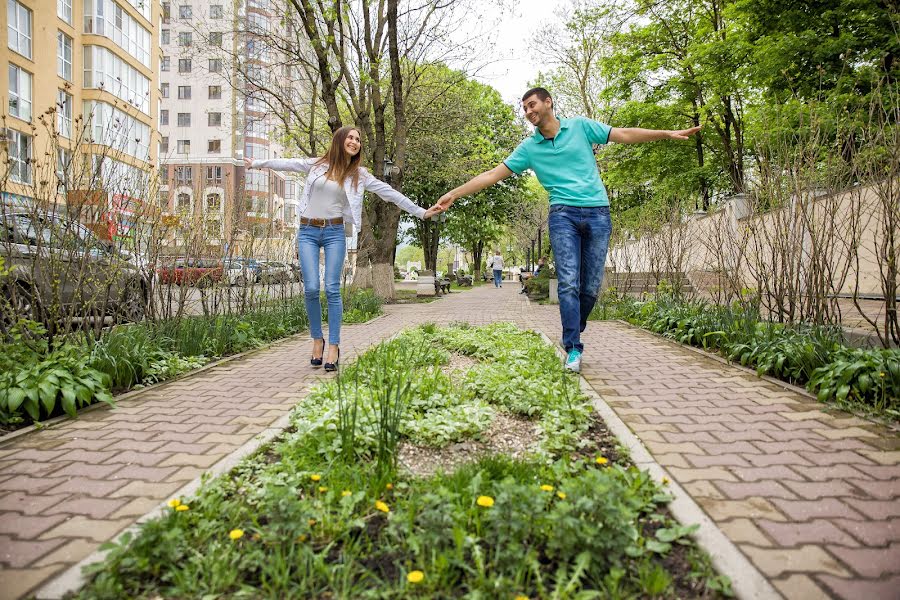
x,y
210,119
81,91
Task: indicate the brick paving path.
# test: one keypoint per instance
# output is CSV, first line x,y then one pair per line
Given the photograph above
x,y
813,499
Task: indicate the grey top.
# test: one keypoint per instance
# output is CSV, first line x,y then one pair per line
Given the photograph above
x,y
327,200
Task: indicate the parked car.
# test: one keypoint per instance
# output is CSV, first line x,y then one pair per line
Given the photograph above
x,y
275,272
253,268
201,272
239,272
56,268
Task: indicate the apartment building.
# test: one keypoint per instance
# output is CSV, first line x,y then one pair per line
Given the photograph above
x,y
80,85
210,118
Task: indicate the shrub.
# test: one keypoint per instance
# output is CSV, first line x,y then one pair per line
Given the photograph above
x,y
857,376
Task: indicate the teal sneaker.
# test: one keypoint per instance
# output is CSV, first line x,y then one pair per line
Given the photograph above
x,y
573,361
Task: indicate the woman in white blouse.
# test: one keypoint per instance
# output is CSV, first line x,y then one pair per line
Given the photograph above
x,y
332,196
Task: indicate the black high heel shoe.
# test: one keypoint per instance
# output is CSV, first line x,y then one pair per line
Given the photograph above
x,y
331,367
317,362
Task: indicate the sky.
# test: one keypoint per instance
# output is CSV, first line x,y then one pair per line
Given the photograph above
x,y
516,64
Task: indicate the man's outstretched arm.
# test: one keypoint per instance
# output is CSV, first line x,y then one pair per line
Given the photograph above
x,y
636,135
475,185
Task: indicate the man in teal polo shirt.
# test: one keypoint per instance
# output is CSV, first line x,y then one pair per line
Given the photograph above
x,y
561,155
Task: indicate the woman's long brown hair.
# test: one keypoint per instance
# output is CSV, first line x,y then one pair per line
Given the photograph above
x,y
340,164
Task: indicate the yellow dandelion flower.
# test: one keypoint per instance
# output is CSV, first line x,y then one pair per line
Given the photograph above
x,y
302,537
665,481
389,486
562,495
382,506
881,374
346,493
322,489
415,576
601,460
520,597
485,501
236,534
315,477
256,537
547,488
174,503
312,522
182,507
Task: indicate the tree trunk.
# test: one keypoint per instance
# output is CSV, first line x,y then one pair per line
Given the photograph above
x,y
477,252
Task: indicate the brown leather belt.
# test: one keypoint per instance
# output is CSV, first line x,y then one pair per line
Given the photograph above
x,y
321,222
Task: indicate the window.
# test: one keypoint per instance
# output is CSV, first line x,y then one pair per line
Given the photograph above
x,y
64,113
185,12
63,56
184,38
256,151
215,92
184,92
64,10
215,65
184,65
104,69
18,19
164,149
214,119
184,119
184,147
110,126
164,89
106,18
215,39
215,11
165,36
214,146
213,202
167,11
184,201
19,93
19,155
214,176
164,63
183,175
164,117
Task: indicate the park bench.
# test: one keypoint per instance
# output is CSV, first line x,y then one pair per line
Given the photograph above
x,y
463,280
441,285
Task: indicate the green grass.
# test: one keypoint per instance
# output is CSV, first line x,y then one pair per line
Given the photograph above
x,y
325,512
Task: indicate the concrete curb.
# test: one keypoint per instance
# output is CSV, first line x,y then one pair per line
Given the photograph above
x,y
746,580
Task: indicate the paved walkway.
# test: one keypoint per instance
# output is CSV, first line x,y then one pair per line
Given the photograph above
x,y
812,499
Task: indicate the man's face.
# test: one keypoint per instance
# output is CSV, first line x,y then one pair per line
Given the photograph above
x,y
537,111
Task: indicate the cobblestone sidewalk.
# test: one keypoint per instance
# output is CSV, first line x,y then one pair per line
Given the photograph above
x,y
813,499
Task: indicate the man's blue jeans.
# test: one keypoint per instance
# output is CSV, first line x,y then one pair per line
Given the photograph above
x,y
498,277
579,238
309,240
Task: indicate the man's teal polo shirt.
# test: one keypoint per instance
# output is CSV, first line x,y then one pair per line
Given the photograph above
x,y
565,165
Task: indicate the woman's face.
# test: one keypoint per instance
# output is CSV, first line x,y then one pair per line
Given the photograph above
x,y
352,143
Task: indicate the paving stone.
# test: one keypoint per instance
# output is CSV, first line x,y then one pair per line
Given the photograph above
x,y
803,510
753,508
703,489
137,507
98,530
27,527
709,473
817,531
744,531
775,472
17,583
836,458
89,487
882,457
872,533
746,489
810,559
870,562
21,553
822,489
876,509
146,489
861,589
96,508
191,460
29,504
88,470
800,587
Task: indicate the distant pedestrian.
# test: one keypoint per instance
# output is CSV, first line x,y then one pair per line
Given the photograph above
x,y
496,263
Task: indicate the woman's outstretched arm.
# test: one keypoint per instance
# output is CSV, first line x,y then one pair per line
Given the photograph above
x,y
299,165
386,192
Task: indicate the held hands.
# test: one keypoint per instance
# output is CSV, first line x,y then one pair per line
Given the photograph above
x,y
683,134
434,210
446,201
248,162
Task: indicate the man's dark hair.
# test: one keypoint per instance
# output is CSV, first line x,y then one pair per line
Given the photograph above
x,y
540,92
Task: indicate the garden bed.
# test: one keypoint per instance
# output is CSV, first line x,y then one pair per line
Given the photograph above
x,y
40,380
447,462
862,380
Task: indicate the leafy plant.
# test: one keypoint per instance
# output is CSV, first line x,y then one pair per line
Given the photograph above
x,y
867,377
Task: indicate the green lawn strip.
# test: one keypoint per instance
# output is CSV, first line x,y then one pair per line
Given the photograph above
x,y
39,380
325,512
860,380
